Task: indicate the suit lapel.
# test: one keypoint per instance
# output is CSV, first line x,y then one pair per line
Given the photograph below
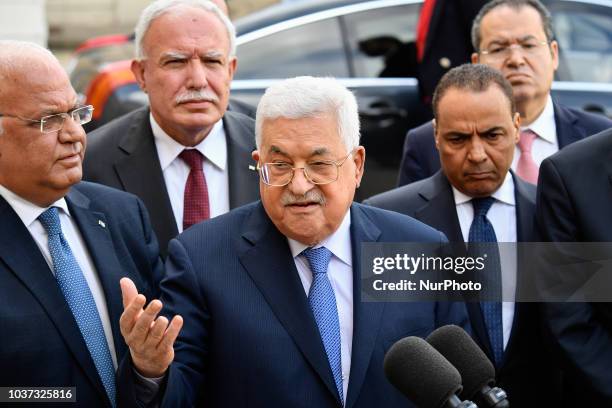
x,y
141,174
267,258
439,208
243,182
565,121
367,316
20,252
93,228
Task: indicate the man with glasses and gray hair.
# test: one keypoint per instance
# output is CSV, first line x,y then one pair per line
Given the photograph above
x,y
515,37
64,244
185,155
270,293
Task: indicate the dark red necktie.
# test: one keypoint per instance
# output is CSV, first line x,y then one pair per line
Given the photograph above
x,y
195,204
423,27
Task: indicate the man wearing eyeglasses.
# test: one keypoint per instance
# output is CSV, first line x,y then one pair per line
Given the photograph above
x,y
64,244
270,293
515,37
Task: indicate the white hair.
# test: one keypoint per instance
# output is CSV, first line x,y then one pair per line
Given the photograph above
x,y
306,96
161,7
17,57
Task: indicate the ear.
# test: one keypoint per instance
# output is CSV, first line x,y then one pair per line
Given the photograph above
x,y
138,68
436,138
517,127
255,155
475,58
231,66
554,50
359,160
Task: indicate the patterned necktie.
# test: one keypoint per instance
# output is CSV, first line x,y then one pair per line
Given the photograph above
x,y
196,207
72,282
481,230
323,304
526,167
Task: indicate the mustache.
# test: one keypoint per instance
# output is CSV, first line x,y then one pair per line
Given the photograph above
x,y
199,95
311,196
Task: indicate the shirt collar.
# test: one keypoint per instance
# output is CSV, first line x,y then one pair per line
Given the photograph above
x,y
339,242
544,126
504,194
212,147
29,212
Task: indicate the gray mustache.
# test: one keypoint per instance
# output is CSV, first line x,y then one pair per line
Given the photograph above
x,y
311,196
201,95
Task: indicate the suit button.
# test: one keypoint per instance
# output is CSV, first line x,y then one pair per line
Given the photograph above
x,y
445,63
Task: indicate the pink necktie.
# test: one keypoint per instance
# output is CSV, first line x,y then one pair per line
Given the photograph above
x,y
195,204
526,168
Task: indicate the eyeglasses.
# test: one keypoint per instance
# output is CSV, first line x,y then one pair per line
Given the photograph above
x,y
54,123
318,172
503,51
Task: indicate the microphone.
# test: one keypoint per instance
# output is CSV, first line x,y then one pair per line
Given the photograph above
x,y
476,369
423,375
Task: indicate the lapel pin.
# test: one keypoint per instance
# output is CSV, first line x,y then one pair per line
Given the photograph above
x,y
101,223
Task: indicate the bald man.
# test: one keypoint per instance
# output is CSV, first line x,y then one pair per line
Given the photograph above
x,y
64,244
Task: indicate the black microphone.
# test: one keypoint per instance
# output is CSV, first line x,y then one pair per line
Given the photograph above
x,y
423,375
476,369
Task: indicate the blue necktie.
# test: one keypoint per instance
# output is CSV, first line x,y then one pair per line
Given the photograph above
x,y
323,304
79,298
481,230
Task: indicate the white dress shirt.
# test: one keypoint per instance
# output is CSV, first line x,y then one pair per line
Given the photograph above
x,y
340,274
502,215
214,149
28,213
546,143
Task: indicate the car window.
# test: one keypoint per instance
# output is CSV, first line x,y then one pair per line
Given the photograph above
x,y
584,33
375,36
311,49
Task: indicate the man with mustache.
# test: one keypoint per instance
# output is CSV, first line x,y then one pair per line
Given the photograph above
x,y
270,293
64,244
185,156
515,37
476,128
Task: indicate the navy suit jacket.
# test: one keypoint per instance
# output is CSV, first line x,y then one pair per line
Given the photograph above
x,y
526,368
40,342
420,158
250,338
574,205
122,154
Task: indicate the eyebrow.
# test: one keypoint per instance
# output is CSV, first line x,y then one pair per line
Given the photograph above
x,y
520,39
492,129
316,152
51,111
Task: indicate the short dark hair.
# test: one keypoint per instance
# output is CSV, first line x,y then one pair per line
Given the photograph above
x,y
474,78
514,4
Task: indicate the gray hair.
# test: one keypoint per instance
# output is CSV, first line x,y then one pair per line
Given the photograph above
x,y
474,78
516,5
161,7
306,97
15,55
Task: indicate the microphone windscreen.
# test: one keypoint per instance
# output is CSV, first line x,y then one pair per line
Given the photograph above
x,y
421,373
458,347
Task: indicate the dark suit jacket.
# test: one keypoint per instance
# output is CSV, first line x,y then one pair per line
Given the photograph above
x,y
525,370
448,40
122,154
574,205
420,158
41,344
250,338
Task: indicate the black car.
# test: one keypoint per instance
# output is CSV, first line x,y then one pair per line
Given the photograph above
x,y
352,39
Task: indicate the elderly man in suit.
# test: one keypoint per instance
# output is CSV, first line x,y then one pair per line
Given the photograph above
x,y
64,244
270,293
515,37
185,156
476,129
574,197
